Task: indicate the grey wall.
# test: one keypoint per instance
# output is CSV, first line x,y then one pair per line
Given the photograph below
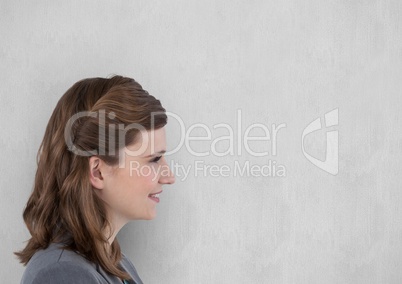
x,y
277,62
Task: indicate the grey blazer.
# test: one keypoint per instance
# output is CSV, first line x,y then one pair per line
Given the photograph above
x,y
56,265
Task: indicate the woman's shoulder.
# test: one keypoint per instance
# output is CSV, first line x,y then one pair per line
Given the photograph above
x,y
57,265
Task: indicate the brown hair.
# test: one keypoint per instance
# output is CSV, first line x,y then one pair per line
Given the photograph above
x,y
63,206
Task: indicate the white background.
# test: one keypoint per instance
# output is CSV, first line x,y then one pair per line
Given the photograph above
x,y
278,62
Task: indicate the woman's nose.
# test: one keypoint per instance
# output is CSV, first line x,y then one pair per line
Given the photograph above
x,y
167,176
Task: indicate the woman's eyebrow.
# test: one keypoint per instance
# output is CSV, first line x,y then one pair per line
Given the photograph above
x,y
160,152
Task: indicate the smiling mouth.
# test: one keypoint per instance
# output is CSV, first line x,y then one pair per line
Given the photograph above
x,y
154,196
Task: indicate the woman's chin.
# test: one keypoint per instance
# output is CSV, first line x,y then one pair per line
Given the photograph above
x,y
150,216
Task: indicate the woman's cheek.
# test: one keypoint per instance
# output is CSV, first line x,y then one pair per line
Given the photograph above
x,y
154,173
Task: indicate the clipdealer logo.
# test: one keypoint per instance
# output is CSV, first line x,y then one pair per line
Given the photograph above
x,y
235,144
330,164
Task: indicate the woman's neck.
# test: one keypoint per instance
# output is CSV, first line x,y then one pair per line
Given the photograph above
x,y
116,223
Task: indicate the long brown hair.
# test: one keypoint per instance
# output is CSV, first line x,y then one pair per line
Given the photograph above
x,y
63,206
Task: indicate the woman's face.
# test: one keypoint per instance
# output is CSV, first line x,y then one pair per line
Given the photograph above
x,y
129,189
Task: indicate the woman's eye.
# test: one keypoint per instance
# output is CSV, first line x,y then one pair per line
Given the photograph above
x,y
156,159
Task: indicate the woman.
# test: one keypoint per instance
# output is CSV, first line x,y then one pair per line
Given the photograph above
x,y
100,165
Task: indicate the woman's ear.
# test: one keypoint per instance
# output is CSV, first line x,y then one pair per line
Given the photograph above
x,y
95,172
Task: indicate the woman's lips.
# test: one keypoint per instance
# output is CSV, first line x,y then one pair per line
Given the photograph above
x,y
154,196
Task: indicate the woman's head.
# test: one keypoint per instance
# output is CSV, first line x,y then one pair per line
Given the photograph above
x,y
92,168
122,134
